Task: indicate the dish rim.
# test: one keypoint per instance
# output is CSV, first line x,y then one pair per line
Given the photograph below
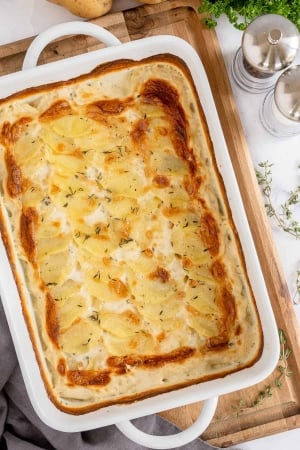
x,y
57,419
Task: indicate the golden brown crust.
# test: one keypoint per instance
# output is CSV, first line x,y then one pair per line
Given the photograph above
x,y
173,227
58,109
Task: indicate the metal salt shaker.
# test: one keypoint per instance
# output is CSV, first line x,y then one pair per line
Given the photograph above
x,y
280,109
269,45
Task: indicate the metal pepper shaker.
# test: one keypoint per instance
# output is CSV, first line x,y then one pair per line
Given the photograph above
x,y
269,45
280,109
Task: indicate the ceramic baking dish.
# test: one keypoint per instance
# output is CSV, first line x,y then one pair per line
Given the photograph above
x,y
33,75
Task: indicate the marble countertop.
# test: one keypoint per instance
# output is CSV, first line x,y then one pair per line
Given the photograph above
x,y
24,18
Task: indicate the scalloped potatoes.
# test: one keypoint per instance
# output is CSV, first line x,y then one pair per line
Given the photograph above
x,y
119,216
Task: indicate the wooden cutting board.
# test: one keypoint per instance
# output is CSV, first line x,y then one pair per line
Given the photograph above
x,y
236,420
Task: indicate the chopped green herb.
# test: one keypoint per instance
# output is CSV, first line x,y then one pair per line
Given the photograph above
x,y
124,241
98,229
71,192
97,275
94,316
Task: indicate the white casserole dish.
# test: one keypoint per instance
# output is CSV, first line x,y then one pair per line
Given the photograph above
x,y
208,391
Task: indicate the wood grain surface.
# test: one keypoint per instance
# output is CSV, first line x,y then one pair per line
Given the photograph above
x,y
236,420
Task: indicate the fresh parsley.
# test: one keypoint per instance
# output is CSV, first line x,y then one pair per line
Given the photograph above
x,y
241,13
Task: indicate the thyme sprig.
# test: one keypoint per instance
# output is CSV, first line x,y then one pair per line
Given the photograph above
x,y
284,219
285,216
283,372
296,297
285,353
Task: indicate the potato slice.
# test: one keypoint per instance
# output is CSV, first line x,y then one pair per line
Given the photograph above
x,y
121,325
71,310
73,126
81,337
56,267
51,246
140,343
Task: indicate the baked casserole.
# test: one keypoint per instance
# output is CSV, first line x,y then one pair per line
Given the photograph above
x,y
133,278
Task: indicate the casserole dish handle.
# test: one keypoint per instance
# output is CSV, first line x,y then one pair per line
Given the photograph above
x,y
173,440
68,28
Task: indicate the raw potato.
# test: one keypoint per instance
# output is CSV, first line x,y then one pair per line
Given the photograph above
x,y
88,9
150,2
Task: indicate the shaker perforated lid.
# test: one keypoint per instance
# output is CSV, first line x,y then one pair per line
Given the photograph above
x,y
270,43
287,93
